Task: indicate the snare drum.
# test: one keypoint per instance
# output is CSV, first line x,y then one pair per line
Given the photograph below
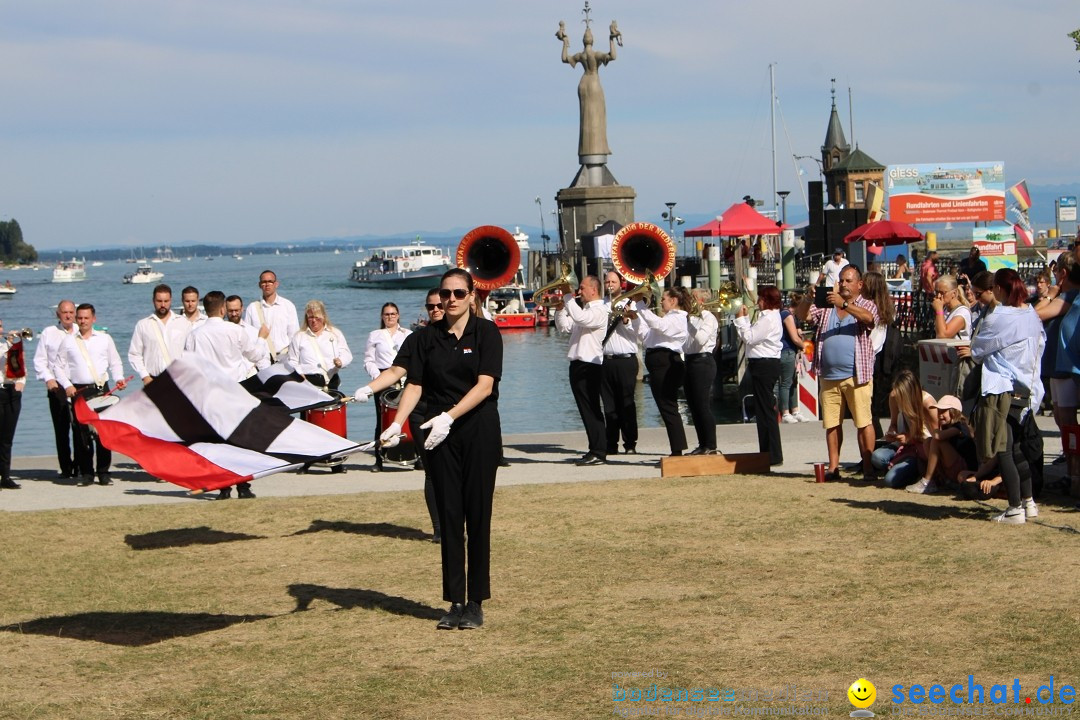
x,y
98,404
332,418
403,452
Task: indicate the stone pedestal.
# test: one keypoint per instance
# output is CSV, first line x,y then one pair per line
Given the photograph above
x,y
581,209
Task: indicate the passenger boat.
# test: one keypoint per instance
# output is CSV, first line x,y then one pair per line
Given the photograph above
x,y
69,271
143,275
511,306
942,182
414,266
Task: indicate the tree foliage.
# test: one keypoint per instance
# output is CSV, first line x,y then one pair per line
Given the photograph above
x,y
12,246
1075,35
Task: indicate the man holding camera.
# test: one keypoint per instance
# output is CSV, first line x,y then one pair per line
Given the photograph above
x,y
844,362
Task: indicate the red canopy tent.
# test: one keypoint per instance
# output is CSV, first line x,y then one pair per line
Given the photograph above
x,y
738,220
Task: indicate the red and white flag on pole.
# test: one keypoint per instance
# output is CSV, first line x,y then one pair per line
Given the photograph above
x,y
199,429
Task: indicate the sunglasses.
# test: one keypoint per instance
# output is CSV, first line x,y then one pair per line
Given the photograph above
x,y
433,306
459,293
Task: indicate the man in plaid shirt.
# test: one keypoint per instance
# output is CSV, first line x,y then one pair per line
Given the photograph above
x,y
844,362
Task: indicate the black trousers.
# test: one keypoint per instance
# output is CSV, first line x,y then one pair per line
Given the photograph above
x,y
85,443
585,381
463,471
700,374
764,372
617,385
10,407
666,372
60,410
419,436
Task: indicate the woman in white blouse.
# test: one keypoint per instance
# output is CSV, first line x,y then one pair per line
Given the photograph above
x,y
318,350
382,347
763,344
663,338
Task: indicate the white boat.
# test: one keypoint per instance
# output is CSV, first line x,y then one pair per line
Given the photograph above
x,y
7,288
97,263
69,271
415,266
942,182
143,275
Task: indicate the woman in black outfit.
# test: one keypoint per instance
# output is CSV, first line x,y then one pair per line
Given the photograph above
x,y
663,337
455,371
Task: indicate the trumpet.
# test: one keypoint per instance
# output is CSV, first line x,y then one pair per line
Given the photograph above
x,y
17,336
649,288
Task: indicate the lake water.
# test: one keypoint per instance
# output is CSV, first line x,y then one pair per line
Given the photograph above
x,y
533,397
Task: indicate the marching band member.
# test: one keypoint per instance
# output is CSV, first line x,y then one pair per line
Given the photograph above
x,y
273,315
586,324
664,337
762,341
319,350
700,375
382,346
45,360
158,338
14,364
455,369
87,360
620,369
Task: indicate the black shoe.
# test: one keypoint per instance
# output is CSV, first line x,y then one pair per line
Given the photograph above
x,y
339,468
64,474
9,484
418,465
833,476
697,451
104,479
377,468
472,618
632,450
504,463
245,493
437,538
1059,460
590,459
451,619
711,451
225,494
85,481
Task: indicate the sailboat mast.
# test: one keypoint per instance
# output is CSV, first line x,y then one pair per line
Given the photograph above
x,y
772,124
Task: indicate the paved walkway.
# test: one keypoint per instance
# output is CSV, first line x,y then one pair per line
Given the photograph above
x,y
534,458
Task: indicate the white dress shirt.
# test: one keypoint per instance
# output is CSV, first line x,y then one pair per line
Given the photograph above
x,y
71,368
382,347
624,341
703,330
156,343
669,331
199,319
228,346
331,344
280,316
47,353
762,339
587,327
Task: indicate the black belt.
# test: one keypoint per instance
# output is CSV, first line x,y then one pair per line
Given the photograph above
x,y
620,356
660,349
698,355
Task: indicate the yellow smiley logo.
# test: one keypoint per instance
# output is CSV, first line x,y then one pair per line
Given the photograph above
x,y
862,693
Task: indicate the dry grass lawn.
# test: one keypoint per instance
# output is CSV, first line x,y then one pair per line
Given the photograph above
x,y
326,607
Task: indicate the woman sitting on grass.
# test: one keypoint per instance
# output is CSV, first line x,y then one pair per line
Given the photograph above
x,y
912,419
952,448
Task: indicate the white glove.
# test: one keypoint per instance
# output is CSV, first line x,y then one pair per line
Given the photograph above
x,y
390,438
440,429
363,393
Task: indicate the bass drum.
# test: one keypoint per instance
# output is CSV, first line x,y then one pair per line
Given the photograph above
x,y
405,451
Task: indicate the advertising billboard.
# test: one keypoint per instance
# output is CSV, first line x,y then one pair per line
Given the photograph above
x,y
997,246
946,192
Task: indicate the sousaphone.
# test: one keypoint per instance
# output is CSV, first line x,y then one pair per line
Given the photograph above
x,y
491,255
643,254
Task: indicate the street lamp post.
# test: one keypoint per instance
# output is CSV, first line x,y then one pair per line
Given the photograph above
x,y
783,204
673,220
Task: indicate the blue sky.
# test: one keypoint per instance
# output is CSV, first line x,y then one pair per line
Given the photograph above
x,y
234,121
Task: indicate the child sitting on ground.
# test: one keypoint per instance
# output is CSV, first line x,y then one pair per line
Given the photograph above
x,y
952,448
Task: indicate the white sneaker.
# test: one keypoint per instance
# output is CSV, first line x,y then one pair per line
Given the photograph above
x,y
923,487
1012,516
789,418
1031,510
799,417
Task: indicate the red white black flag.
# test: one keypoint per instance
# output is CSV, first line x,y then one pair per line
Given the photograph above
x,y
197,428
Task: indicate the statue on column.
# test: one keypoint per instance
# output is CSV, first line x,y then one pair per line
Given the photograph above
x,y
592,134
